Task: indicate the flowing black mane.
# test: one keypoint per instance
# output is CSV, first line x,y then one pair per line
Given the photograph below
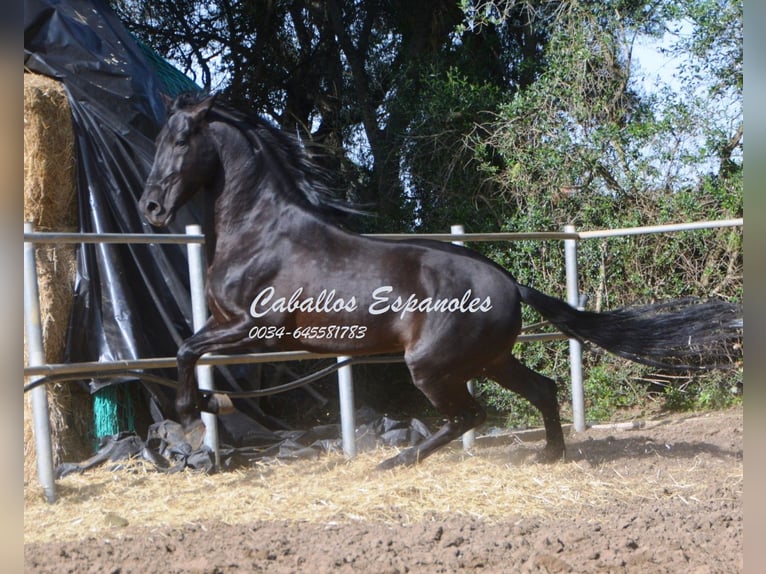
x,y
303,179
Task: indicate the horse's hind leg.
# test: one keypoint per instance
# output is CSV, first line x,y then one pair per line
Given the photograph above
x,y
541,392
451,398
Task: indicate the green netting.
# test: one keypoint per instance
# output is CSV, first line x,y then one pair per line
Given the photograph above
x,y
105,412
172,79
113,410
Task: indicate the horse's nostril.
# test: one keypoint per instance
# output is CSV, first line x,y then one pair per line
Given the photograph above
x,y
152,206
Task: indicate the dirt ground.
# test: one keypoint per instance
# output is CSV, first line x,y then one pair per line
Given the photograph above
x,y
677,507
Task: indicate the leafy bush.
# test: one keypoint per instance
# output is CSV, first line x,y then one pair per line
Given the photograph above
x,y
622,271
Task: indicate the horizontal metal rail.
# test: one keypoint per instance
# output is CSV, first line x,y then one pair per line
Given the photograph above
x,y
340,365
95,368
666,228
502,236
181,238
138,238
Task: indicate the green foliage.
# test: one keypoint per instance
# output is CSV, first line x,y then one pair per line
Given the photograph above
x,y
581,145
443,191
517,412
714,391
715,44
607,390
622,271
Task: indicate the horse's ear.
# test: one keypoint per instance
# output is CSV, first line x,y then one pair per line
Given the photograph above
x,y
202,108
167,101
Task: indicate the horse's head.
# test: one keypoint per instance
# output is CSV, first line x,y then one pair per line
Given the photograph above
x,y
185,161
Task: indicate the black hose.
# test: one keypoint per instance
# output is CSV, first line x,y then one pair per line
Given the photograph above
x,y
53,378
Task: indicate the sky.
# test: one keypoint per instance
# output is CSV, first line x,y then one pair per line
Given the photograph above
x,y
654,67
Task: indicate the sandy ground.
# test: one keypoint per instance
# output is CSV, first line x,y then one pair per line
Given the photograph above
x,y
677,507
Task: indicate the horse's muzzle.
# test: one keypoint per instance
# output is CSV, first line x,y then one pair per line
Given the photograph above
x,y
153,209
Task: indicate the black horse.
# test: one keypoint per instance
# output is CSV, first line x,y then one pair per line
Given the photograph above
x,y
284,277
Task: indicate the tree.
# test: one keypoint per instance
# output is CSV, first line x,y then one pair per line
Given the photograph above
x,y
349,76
541,93
584,124
714,51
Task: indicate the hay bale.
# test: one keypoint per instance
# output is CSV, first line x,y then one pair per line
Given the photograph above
x,y
50,203
49,162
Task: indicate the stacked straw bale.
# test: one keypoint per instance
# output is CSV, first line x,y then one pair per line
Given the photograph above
x,y
50,203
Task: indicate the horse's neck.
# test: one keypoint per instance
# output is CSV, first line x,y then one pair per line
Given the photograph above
x,y
235,190
248,200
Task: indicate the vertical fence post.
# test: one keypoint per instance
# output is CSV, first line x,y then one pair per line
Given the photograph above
x,y
346,398
199,317
469,437
575,349
35,357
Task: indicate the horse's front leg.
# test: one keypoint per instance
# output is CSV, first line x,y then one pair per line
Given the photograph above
x,y
213,337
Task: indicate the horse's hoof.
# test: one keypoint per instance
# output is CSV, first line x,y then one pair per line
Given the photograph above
x,y
216,404
195,434
223,404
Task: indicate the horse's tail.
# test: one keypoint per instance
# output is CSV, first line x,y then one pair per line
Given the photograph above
x,y
679,334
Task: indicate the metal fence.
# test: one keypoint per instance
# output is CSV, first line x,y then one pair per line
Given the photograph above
x,y
36,369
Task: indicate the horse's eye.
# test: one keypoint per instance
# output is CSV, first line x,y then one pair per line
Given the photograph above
x,y
182,141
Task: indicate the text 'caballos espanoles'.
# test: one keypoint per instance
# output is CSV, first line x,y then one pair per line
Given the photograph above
x,y
382,301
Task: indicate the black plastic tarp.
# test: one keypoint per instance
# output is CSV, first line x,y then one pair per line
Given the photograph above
x,y
166,449
130,301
